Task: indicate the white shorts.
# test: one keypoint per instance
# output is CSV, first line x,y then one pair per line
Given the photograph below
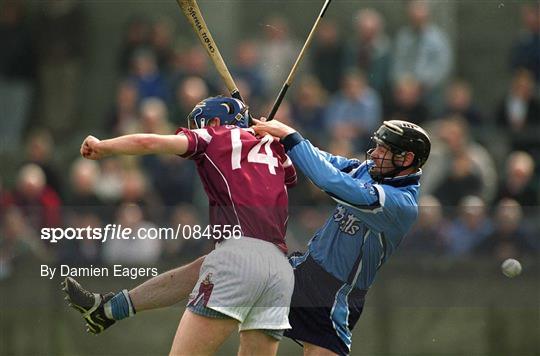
x,y
249,280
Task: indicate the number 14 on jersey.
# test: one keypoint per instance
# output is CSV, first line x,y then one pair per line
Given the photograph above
x,y
254,156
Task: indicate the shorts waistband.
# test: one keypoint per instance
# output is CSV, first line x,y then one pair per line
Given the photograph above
x,y
332,280
246,239
243,238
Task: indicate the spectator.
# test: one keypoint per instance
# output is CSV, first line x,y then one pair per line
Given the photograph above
x,y
305,219
370,50
39,203
427,235
459,102
279,51
6,199
511,237
255,102
146,76
453,148
519,114
61,42
355,111
248,68
471,227
123,115
134,251
161,37
518,182
136,37
189,92
284,112
17,74
423,51
186,217
519,110
109,186
328,55
526,50
463,179
192,63
86,251
136,190
343,148
308,107
84,209
154,117
84,176
40,151
18,240
172,178
407,102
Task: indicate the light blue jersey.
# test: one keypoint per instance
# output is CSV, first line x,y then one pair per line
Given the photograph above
x,y
370,220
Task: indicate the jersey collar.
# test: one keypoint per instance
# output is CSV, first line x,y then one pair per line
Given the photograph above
x,y
401,181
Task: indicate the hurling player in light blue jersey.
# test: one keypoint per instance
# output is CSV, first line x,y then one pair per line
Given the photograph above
x,y
377,205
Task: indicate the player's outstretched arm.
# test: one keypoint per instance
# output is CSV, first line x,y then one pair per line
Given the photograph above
x,y
280,130
136,144
323,169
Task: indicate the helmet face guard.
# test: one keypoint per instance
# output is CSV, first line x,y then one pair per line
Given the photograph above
x,y
399,137
229,111
391,164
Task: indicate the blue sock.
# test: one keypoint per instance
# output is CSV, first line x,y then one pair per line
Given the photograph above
x,y
119,307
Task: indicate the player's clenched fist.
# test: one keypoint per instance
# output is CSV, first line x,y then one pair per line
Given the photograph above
x,y
91,149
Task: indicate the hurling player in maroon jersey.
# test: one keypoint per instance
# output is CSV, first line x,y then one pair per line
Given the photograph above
x,y
246,282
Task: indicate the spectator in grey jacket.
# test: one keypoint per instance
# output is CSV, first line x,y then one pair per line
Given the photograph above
x,y
422,50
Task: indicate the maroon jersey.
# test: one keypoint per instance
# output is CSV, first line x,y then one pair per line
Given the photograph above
x,y
245,178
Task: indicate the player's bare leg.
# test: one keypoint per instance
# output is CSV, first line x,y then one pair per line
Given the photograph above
x,y
256,342
167,288
102,311
314,350
201,335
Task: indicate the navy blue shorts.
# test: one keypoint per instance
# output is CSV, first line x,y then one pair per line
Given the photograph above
x,y
324,310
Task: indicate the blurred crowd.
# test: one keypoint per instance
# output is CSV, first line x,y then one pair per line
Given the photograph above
x,y
480,188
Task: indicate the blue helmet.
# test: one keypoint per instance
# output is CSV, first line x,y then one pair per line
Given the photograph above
x,y
230,111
